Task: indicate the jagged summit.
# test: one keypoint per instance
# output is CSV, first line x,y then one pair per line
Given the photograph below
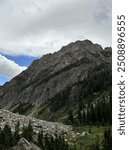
x,y
54,82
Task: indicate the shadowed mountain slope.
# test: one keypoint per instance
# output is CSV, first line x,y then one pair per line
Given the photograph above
x,y
58,81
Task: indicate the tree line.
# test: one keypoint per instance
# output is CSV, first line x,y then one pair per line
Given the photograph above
x,y
99,113
105,144
9,139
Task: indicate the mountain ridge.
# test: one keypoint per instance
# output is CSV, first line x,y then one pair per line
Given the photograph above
x,y
54,76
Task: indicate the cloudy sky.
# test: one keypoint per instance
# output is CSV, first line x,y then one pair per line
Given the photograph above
x,y
32,28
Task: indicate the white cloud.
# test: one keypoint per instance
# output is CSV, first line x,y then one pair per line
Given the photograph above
x,y
9,68
36,27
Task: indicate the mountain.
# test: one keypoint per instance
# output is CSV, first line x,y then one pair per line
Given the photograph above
x,y
79,72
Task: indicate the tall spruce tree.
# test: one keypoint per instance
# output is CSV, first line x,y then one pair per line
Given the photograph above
x,y
16,135
84,117
7,136
71,116
27,132
79,115
107,141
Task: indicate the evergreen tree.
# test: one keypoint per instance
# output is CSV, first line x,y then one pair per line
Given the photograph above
x,y
30,132
84,117
70,116
90,130
40,140
88,116
107,142
1,140
27,132
7,136
16,135
96,144
79,116
99,111
92,114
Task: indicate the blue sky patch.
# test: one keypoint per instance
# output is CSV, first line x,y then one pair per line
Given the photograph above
x,y
3,80
22,60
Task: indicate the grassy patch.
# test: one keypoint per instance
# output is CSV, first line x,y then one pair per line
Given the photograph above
x,y
43,114
83,139
23,108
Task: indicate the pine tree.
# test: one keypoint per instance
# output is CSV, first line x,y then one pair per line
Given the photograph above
x,y
40,140
99,112
70,116
28,132
90,130
1,139
92,114
107,142
79,116
7,136
96,144
88,116
84,117
16,135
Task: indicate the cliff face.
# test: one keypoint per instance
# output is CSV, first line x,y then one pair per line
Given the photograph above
x,y
57,81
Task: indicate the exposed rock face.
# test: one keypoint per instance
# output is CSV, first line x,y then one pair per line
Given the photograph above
x,y
23,144
12,119
55,76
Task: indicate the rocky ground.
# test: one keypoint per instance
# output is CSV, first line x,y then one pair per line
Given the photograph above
x,y
12,119
23,144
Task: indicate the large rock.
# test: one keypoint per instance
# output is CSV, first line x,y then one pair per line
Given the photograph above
x,y
23,144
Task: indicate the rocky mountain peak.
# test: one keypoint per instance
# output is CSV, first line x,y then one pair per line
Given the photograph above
x,y
54,77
